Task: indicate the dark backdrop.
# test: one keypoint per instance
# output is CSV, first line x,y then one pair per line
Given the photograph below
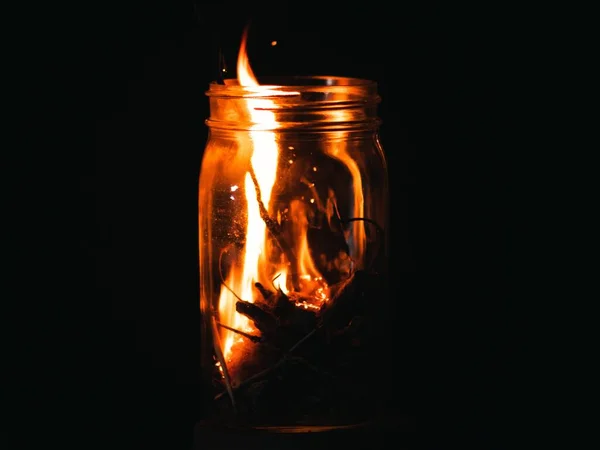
x,y
444,75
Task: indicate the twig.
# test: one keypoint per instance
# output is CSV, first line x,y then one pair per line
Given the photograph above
x,y
363,219
275,229
311,366
252,337
293,347
379,229
256,376
266,294
342,288
262,318
301,341
277,288
274,366
321,322
333,303
221,358
337,212
221,273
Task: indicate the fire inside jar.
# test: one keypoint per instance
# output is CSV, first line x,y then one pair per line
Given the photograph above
x,y
291,239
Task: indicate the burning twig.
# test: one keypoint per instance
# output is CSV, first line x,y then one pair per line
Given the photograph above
x,y
221,359
253,338
344,292
263,320
344,287
273,282
267,294
274,229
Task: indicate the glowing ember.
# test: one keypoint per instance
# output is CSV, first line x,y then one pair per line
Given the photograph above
x,y
218,366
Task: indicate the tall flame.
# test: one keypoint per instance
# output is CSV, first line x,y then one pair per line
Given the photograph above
x,y
245,74
303,283
264,164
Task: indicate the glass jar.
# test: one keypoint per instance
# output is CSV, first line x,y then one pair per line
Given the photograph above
x,y
293,212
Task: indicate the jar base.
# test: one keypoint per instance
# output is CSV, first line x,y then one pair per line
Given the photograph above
x,y
310,428
212,436
280,429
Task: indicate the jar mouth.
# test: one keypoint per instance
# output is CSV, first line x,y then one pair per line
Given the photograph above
x,y
310,80
277,86
294,103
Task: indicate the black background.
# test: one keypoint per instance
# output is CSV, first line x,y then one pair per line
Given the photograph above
x,y
446,75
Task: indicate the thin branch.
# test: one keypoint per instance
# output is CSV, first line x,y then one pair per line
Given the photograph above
x,y
364,219
255,376
221,359
304,339
274,366
274,229
221,273
379,229
277,288
252,337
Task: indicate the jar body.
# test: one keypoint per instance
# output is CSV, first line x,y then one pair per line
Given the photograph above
x,y
292,225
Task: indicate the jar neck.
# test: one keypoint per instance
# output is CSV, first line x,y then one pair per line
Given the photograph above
x,y
320,103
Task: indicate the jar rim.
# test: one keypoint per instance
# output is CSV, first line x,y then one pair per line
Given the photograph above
x,y
274,86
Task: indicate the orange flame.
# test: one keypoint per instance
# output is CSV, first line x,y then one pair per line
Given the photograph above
x,y
357,239
264,163
311,290
311,281
245,74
